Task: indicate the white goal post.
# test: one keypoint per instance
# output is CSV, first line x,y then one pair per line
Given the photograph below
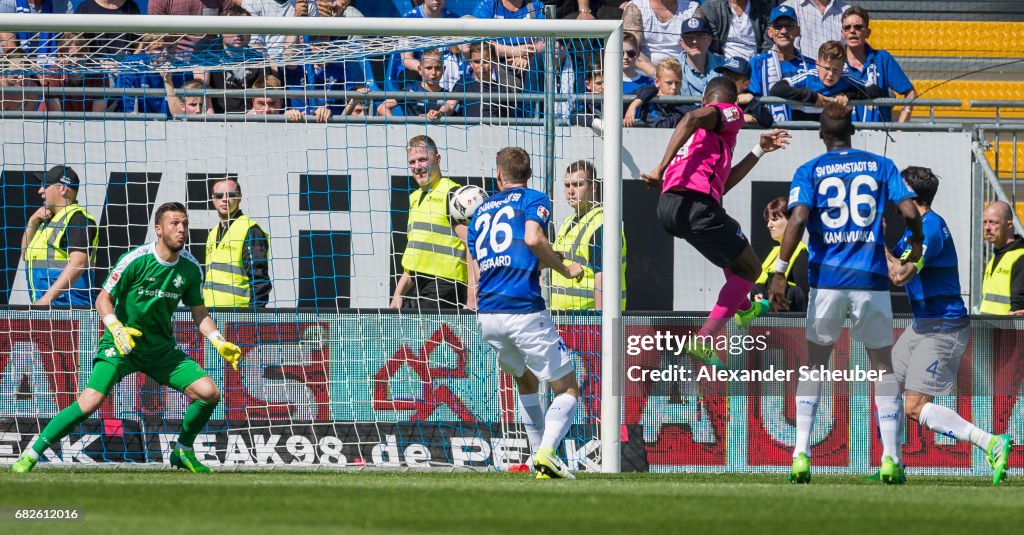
x,y
610,172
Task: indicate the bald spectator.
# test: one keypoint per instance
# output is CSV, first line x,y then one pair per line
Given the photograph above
x,y
657,24
820,21
873,67
737,26
1002,289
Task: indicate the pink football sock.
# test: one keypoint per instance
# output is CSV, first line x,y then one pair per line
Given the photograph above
x,y
732,297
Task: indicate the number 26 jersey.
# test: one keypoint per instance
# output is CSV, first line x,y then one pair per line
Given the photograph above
x,y
509,271
846,190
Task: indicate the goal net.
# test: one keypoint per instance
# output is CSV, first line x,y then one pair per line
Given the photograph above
x,y
311,120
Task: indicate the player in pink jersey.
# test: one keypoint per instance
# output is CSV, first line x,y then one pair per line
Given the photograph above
x,y
694,173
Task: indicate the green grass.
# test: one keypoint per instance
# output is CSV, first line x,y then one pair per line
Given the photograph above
x,y
396,502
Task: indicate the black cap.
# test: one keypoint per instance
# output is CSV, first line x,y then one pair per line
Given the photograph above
x,y
61,174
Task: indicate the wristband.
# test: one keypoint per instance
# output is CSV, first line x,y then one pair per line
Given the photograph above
x,y
781,266
757,151
110,319
215,337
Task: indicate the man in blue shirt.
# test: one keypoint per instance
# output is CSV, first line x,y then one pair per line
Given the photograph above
x,y
508,244
826,82
873,67
698,64
783,61
927,356
839,197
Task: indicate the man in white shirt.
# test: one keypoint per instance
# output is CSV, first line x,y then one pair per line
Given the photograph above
x,y
820,21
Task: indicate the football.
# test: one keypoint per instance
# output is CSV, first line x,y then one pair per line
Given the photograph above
x,y
464,202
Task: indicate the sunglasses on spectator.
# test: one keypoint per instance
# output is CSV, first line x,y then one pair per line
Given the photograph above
x,y
226,195
631,53
851,27
783,25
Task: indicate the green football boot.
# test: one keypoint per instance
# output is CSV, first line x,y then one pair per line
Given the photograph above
x,y
186,460
891,473
548,466
745,317
998,454
705,354
24,465
801,471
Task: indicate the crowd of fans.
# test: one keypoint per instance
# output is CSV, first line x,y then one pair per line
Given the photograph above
x,y
808,51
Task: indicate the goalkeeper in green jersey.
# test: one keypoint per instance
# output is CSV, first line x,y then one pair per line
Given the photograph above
x,y
136,304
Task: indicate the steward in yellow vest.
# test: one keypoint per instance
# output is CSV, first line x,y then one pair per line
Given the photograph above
x,y
435,272
59,250
237,254
1002,288
579,240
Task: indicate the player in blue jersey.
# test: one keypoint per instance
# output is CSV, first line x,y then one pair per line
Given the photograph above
x,y
839,198
827,82
927,356
508,243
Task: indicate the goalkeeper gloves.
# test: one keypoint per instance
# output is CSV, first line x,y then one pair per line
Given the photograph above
x,y
124,337
231,353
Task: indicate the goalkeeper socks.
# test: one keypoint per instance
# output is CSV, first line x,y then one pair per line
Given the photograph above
x,y
732,297
944,421
196,416
558,419
59,427
808,394
533,418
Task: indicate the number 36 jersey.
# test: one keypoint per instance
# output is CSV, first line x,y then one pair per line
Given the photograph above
x,y
509,271
846,191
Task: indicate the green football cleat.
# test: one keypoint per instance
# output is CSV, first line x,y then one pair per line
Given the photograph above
x,y
186,460
548,466
705,354
24,465
801,471
998,454
891,473
745,317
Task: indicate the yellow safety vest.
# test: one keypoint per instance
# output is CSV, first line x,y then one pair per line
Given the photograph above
x,y
995,287
434,248
227,282
45,260
573,241
768,266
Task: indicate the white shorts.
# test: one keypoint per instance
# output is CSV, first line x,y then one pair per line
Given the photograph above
x,y
870,311
527,341
928,362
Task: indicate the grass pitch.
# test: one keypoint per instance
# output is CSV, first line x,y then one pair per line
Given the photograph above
x,y
397,502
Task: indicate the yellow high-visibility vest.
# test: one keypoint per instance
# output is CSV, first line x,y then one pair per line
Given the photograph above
x,y
44,258
227,283
573,241
768,266
434,248
995,287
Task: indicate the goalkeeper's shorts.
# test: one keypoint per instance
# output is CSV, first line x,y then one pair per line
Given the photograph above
x,y
169,367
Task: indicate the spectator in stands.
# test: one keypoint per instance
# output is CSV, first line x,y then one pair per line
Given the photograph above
x,y
434,264
632,77
431,70
140,71
656,25
40,47
518,53
453,66
326,8
487,79
699,64
754,112
70,52
820,21
189,105
588,111
565,81
264,105
430,9
827,82
271,45
237,270
209,8
588,9
737,26
783,61
777,217
236,48
320,76
108,43
11,100
60,243
1002,288
643,112
873,67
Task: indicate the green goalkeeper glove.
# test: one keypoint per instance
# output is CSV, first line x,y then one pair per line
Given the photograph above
x,y
231,353
124,337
